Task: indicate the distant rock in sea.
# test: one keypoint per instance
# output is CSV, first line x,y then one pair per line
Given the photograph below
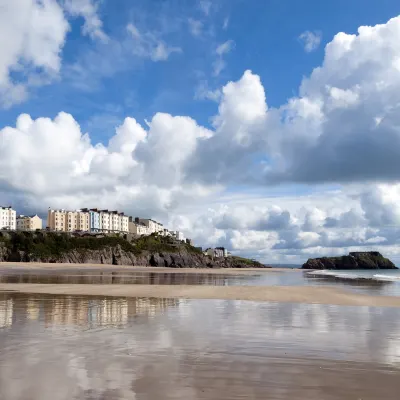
x,y
355,260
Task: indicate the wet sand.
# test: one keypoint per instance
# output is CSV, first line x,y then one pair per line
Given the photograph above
x,y
287,294
105,267
87,348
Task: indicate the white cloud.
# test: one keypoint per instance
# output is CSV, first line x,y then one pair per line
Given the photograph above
x,y
203,92
311,40
88,10
35,32
149,45
343,127
351,114
195,27
223,49
205,6
225,25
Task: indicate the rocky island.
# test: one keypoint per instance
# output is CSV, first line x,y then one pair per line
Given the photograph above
x,y
355,260
153,250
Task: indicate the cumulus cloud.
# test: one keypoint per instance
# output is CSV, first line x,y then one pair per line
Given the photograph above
x,y
149,45
88,10
311,40
35,32
342,128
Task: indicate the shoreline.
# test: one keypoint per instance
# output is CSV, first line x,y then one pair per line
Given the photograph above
x,y
286,294
134,268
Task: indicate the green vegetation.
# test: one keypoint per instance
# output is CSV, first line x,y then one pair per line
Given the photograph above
x,y
155,244
246,261
54,245
158,244
51,245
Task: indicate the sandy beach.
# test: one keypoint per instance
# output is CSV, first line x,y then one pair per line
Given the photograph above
x,y
287,294
180,337
88,267
276,293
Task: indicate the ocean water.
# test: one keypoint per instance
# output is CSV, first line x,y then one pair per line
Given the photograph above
x,y
390,275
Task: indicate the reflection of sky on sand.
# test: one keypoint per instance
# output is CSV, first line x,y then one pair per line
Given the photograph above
x,y
54,348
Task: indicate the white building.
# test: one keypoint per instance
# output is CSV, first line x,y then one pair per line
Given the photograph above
x,y
179,236
217,252
124,223
105,223
152,226
118,222
8,218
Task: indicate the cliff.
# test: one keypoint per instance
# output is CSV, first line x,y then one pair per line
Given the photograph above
x,y
355,260
50,247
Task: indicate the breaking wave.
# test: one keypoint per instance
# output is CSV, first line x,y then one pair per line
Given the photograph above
x,y
358,275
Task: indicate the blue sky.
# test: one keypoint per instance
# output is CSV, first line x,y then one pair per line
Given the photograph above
x,y
297,158
265,35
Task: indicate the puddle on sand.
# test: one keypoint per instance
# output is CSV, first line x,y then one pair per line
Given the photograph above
x,y
69,347
125,277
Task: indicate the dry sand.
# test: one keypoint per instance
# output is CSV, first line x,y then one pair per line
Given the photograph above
x,y
88,267
288,294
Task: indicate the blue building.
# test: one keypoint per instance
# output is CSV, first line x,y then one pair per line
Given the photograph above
x,y
94,220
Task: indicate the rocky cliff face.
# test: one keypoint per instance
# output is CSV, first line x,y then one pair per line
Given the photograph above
x,y
15,249
355,260
117,256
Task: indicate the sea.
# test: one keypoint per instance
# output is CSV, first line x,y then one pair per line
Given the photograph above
x,y
390,275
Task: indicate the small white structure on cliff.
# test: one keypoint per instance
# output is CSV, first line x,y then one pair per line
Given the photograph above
x,y
217,252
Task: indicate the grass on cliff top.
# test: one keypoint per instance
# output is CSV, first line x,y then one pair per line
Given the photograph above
x,y
247,261
54,245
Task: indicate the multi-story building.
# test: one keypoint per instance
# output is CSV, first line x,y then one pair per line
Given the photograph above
x,y
115,221
83,220
56,220
8,218
152,226
71,221
94,219
124,223
87,220
137,228
105,225
179,236
29,223
217,252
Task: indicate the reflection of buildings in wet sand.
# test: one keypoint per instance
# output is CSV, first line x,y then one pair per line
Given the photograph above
x,y
109,312
6,313
32,309
116,312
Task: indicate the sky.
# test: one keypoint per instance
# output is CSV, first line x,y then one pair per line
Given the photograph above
x,y
270,127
